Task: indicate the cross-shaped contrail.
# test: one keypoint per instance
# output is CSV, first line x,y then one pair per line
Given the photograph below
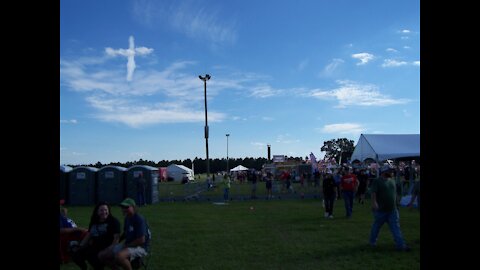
x,y
130,54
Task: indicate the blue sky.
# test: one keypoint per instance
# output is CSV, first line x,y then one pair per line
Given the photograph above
x,y
291,74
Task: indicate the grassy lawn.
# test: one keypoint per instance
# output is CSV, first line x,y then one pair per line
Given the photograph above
x,y
169,190
277,234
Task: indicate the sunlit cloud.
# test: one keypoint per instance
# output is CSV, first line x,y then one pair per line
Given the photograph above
x,y
286,139
267,118
363,57
331,67
258,145
302,65
71,121
354,94
196,22
130,54
393,63
342,128
263,91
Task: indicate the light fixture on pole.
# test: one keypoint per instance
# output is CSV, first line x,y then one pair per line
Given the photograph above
x,y
228,135
205,79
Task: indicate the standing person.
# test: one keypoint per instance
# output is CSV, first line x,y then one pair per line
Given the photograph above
x,y
348,185
103,233
406,182
329,193
269,184
141,185
338,179
362,187
385,208
415,195
226,187
136,235
253,177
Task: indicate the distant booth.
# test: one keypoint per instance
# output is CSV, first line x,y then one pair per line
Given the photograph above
x,y
151,177
82,186
63,182
179,172
111,184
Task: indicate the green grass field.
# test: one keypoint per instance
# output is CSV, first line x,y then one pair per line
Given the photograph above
x,y
277,234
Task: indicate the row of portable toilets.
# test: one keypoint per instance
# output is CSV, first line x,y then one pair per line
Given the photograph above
x,y
89,185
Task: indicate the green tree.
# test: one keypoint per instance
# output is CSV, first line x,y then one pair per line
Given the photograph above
x,y
336,147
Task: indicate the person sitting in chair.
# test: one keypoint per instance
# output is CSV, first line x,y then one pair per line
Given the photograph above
x,y
69,233
136,235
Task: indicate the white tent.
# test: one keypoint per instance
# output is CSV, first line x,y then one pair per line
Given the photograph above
x,y
177,172
380,147
239,168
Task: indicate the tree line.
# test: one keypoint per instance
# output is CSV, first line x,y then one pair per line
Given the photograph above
x,y
334,148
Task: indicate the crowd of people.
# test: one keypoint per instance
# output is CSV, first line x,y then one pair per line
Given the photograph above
x,y
102,244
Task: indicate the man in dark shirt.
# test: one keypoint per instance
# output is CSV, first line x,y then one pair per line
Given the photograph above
x,y
384,208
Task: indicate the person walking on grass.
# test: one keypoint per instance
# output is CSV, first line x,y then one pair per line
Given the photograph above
x,y
384,208
329,193
349,185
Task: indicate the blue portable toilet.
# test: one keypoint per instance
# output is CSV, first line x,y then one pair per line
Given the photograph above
x,y
63,183
111,184
151,189
82,186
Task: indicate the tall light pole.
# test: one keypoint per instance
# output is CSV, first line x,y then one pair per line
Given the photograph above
x,y
205,79
228,135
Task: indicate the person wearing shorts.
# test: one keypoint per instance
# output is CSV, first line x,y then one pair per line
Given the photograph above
x,y
135,232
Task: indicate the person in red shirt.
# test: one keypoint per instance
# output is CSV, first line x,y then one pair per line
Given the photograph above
x,y
348,185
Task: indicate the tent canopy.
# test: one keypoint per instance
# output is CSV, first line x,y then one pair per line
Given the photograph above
x,y
179,168
239,168
178,172
380,147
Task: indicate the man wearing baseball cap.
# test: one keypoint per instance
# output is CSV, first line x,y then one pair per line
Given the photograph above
x,y
136,235
384,207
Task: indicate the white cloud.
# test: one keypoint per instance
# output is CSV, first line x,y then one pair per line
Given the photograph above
x,y
268,118
71,121
130,54
114,100
259,145
195,20
263,91
343,128
405,31
406,47
416,63
393,63
136,115
354,94
286,139
302,65
391,50
331,67
363,57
